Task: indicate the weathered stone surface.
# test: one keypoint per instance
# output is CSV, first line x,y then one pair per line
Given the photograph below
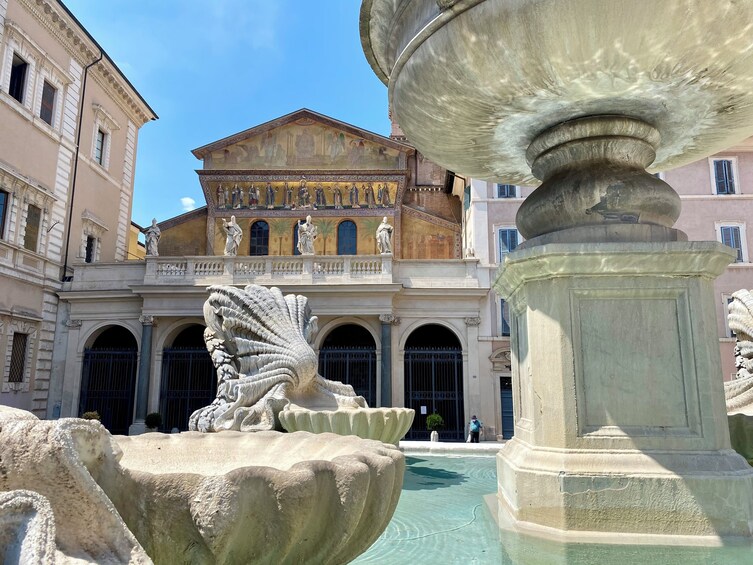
x,y
620,420
266,497
71,493
741,434
59,462
384,424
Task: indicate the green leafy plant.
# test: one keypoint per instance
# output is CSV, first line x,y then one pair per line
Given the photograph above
x,y
326,229
370,225
153,420
280,229
93,415
434,422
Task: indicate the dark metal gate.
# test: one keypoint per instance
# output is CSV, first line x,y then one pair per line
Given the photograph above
x,y
355,366
108,386
508,420
189,382
434,380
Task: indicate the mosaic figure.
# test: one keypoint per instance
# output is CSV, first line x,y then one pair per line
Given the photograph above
x,y
369,195
383,196
337,196
353,196
270,201
320,198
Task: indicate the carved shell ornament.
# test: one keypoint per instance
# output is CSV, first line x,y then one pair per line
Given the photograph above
x,y
738,393
260,343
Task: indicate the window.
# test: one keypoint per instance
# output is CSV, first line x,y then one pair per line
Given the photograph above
x,y
508,241
18,78
724,176
507,191
47,109
731,235
504,311
31,233
18,358
259,238
346,238
100,145
91,249
3,208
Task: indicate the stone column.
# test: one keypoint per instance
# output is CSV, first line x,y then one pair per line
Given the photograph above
x,y
142,383
388,320
473,388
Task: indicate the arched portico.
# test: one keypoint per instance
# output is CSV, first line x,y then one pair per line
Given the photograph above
x,y
108,376
433,379
187,377
348,353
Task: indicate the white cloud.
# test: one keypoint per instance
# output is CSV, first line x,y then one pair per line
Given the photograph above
x,y
188,203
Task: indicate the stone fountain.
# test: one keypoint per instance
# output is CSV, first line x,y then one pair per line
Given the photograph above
x,y
620,421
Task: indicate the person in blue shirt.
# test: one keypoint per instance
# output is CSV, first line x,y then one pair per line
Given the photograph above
x,y
475,428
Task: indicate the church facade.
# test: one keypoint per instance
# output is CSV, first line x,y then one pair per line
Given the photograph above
x,y
398,319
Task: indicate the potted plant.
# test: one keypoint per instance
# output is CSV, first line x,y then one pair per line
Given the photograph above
x,y
93,415
433,423
153,421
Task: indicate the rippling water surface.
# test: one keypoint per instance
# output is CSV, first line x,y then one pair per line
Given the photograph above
x,y
442,519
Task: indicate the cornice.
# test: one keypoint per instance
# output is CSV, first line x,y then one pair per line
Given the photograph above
x,y
79,44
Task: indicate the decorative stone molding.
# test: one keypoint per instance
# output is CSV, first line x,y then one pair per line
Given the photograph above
x,y
472,321
502,361
71,323
387,318
146,320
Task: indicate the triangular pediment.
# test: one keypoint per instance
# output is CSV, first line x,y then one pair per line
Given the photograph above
x,y
304,140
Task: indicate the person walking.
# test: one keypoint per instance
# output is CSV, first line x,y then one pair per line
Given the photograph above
x,y
475,428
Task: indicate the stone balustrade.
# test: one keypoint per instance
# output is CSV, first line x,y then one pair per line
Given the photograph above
x,y
268,270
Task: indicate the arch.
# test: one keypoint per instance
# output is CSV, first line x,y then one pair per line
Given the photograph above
x,y
188,380
436,322
108,377
347,238
348,354
345,320
433,379
259,238
95,331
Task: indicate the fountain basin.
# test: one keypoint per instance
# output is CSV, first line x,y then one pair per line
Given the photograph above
x,y
265,497
388,425
473,82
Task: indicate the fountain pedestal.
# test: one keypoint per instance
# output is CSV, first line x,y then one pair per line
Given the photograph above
x,y
620,419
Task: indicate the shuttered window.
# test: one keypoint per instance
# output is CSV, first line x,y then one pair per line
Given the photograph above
x,y
47,110
731,237
724,176
31,233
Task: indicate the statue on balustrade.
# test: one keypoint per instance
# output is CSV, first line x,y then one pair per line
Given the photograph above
x,y
270,201
320,200
369,195
384,237
152,235
234,234
307,233
354,196
383,196
337,197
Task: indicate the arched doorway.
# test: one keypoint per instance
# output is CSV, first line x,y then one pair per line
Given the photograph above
x,y
108,379
348,355
189,381
434,381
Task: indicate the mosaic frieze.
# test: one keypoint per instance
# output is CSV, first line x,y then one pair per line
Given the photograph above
x,y
305,144
303,195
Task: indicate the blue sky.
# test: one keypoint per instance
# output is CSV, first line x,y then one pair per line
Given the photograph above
x,y
212,68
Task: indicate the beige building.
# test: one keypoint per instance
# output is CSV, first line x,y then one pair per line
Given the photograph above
x,y
70,122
